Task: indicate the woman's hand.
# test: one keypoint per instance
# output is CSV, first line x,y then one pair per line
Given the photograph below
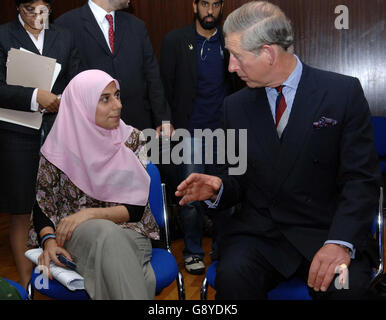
x,y
68,224
50,251
48,101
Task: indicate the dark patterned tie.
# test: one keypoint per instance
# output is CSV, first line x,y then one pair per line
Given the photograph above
x,y
281,111
109,18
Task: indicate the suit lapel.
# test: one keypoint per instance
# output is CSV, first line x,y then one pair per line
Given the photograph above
x,y
189,46
120,30
261,124
92,27
307,101
19,33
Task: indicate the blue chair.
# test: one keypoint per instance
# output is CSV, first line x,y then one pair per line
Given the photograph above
x,y
379,125
23,293
297,289
293,289
163,262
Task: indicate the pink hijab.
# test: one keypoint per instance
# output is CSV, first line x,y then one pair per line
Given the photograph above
x,y
95,159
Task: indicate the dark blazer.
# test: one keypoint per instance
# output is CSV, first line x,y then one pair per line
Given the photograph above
x,y
133,63
58,44
179,72
316,184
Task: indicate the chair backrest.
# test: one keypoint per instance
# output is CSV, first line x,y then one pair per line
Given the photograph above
x,y
155,194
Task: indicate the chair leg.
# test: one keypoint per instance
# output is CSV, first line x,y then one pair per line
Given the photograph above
x,y
204,289
180,286
30,291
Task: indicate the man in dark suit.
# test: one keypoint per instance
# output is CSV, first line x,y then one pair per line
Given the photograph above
x,y
311,187
118,43
19,145
194,67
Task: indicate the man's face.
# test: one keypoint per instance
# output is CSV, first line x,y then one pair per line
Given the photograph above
x,y
251,68
208,13
119,4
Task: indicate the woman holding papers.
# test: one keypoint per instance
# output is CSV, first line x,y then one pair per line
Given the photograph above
x,y
19,146
92,193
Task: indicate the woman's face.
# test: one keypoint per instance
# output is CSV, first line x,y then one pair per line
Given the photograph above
x,y
35,13
108,112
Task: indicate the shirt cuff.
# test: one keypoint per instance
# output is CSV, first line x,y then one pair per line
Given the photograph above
x,y
344,243
213,205
34,101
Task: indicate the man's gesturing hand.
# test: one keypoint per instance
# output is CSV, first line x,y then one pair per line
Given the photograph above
x,y
324,264
198,187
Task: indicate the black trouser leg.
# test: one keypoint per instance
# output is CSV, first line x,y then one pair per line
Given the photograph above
x,y
243,273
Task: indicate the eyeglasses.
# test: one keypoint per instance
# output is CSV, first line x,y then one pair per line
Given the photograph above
x,y
206,4
33,12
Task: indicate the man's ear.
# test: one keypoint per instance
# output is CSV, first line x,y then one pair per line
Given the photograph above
x,y
194,7
269,53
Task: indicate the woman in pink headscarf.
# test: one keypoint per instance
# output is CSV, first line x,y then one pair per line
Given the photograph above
x,y
92,193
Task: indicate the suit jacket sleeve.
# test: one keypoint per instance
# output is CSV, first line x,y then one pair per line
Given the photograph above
x,y
159,106
234,185
12,97
359,176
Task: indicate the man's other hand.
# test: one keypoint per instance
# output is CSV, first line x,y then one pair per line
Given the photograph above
x,y
324,265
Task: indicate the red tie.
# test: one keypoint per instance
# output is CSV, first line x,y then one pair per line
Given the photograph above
x,y
109,18
281,105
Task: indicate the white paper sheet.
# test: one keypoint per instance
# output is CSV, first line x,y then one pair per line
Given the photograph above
x,y
27,119
69,278
27,69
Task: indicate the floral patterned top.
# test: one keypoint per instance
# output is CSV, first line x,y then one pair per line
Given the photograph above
x,y
58,197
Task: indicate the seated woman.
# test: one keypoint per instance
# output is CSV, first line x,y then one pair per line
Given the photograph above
x,y
92,193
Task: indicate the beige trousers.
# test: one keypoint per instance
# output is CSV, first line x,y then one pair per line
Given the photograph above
x,y
114,262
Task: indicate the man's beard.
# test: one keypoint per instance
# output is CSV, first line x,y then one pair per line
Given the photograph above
x,y
119,4
209,25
